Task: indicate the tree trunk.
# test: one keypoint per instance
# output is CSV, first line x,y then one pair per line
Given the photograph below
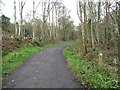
x,y
21,6
16,31
119,17
56,21
91,16
52,24
97,32
33,38
43,23
85,27
107,24
82,27
97,22
92,36
49,24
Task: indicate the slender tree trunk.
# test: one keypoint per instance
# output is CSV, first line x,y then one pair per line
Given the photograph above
x,y
21,6
52,24
97,22
92,36
85,27
21,21
19,30
97,31
82,26
91,16
56,21
33,38
43,23
16,31
118,17
107,24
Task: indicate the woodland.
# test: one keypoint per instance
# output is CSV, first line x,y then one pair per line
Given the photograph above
x,y
94,55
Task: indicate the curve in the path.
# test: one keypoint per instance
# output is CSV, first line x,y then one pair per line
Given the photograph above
x,y
45,69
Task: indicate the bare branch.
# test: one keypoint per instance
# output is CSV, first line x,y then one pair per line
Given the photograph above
x,y
37,5
23,4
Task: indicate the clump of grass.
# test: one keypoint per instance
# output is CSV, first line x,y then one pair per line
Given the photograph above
x,y
88,72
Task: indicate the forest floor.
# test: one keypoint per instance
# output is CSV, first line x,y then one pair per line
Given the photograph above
x,y
45,69
92,70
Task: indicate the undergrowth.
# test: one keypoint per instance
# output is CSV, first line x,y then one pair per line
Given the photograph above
x,y
88,72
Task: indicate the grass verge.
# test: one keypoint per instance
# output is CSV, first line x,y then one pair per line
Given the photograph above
x,y
88,72
15,59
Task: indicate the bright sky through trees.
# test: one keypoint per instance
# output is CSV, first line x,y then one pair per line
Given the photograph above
x,y
8,9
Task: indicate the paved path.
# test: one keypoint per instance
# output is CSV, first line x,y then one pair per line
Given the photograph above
x,y
45,69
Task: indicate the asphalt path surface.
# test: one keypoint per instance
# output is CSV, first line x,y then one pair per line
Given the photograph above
x,y
45,69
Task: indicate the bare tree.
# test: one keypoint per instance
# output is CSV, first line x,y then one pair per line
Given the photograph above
x,y
80,15
50,33
33,37
16,30
91,19
107,24
33,22
45,14
56,18
98,21
21,6
52,22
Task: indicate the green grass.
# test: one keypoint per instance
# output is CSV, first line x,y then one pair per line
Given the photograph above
x,y
88,72
14,59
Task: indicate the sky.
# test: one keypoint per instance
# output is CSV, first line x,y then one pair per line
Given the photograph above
x,y
8,9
